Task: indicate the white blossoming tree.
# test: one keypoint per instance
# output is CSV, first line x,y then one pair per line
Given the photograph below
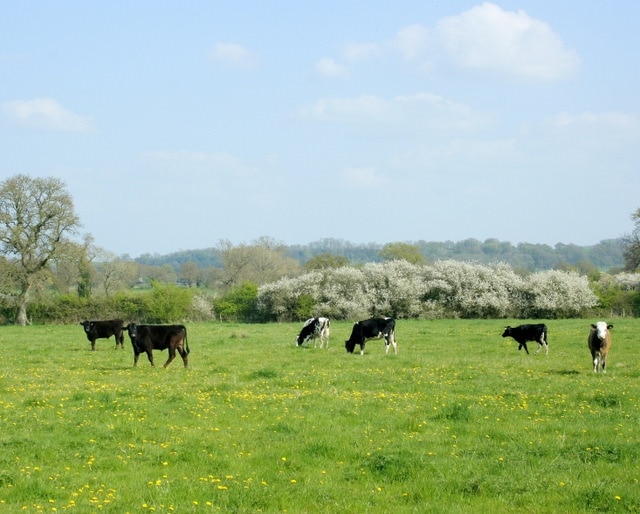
x,y
446,288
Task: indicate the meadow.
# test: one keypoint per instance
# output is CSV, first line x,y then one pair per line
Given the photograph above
x,y
458,422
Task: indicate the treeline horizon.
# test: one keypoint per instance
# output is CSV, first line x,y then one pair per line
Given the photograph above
x,y
607,255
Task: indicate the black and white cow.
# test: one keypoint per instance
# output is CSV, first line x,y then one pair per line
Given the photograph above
x,y
315,328
104,330
374,328
522,333
145,338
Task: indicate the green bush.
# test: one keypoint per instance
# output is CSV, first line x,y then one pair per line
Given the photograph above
x,y
238,304
167,303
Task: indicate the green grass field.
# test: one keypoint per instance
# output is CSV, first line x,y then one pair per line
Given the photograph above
x,y
459,421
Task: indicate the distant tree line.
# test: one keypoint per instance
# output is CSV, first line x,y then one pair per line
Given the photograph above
x,y
604,256
51,274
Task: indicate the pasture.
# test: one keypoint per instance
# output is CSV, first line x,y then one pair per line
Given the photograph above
x,y
458,422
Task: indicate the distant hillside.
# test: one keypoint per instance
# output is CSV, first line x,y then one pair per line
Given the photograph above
x,y
606,255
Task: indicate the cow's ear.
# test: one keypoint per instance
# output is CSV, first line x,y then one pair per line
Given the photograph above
x,y
609,326
593,326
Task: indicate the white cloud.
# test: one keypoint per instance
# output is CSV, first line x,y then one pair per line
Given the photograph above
x,y
487,37
361,108
411,41
409,112
610,119
327,67
596,130
359,51
234,55
362,178
46,113
188,163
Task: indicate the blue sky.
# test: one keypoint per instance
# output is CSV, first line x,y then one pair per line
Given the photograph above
x,y
176,125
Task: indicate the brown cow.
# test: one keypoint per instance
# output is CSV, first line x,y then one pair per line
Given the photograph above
x,y
145,338
599,345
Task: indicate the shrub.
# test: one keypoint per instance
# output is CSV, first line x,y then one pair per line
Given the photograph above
x,y
238,304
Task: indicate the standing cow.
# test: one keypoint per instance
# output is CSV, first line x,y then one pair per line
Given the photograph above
x,y
523,333
104,330
145,338
599,345
315,328
374,328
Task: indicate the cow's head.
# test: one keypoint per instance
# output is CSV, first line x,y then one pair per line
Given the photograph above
x,y
601,328
350,345
507,332
86,325
132,328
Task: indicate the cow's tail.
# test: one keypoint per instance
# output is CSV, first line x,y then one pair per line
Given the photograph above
x,y
186,342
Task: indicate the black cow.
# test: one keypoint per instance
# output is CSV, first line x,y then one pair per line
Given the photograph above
x,y
315,328
523,333
374,328
145,338
104,330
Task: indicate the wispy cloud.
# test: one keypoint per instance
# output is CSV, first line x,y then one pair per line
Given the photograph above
x,y
410,112
234,55
46,113
195,163
411,42
362,178
360,51
606,119
328,67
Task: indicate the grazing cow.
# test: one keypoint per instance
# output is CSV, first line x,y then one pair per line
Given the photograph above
x,y
374,328
599,345
524,333
145,338
104,330
315,328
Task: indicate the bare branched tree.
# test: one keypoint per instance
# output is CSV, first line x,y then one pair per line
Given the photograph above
x,y
36,219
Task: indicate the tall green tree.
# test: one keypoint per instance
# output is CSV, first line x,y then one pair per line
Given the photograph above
x,y
631,251
326,260
402,252
36,219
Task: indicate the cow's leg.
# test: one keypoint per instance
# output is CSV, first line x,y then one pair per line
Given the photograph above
x,y
392,340
362,348
136,356
524,345
150,357
172,355
184,355
594,356
603,362
93,345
